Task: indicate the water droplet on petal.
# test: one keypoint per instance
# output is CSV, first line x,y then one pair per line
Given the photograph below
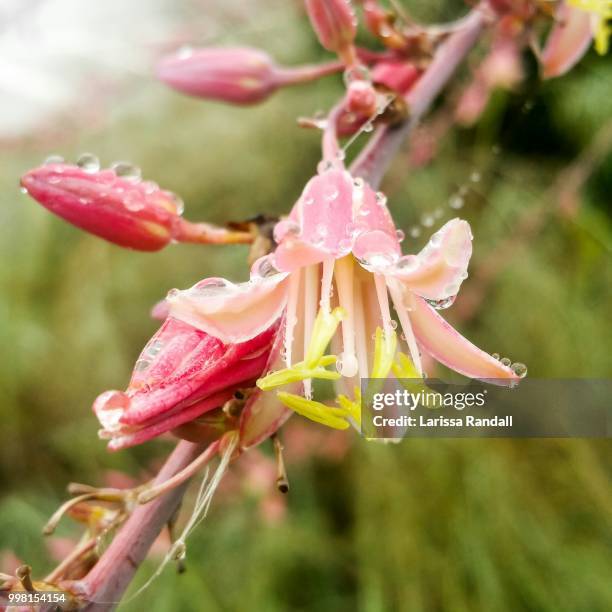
x,y
53,159
265,268
358,182
178,202
23,189
408,263
520,369
331,193
393,324
340,155
324,166
436,240
213,288
506,361
356,73
400,235
496,356
442,304
127,171
381,198
89,163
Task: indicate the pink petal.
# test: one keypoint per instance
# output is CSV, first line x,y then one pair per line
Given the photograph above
x,y
294,253
437,272
567,42
449,347
232,313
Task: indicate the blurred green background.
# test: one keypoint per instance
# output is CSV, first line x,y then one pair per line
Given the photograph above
x,y
429,525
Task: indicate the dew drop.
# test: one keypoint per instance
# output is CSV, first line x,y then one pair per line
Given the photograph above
x,y
400,235
178,202
436,240
393,324
331,194
381,198
496,356
506,361
127,171
427,220
367,127
456,202
415,231
212,288
520,369
265,268
442,304
89,163
408,263
340,155
324,166
358,183
23,190
356,73
53,159
347,365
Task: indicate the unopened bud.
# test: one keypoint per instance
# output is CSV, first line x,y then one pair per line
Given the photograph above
x,y
125,211
361,98
334,23
396,75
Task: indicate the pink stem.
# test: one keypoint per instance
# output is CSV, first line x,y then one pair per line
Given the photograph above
x,y
112,574
308,72
376,156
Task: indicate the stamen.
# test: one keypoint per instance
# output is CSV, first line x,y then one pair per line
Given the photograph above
x,y
326,284
353,407
291,316
310,312
344,274
402,313
315,411
313,366
385,346
383,302
360,333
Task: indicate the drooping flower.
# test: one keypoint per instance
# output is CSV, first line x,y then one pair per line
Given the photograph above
x,y
181,374
116,205
237,75
336,272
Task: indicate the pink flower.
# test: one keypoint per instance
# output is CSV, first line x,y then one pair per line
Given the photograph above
x,y
340,234
119,208
238,75
181,374
334,23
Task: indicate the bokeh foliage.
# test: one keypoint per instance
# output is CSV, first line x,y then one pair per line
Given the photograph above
x,y
428,525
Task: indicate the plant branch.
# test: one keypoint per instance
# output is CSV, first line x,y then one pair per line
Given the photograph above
x,y
374,159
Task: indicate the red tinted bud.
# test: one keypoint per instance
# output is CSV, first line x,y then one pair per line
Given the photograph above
x,y
236,75
334,23
361,98
397,76
125,211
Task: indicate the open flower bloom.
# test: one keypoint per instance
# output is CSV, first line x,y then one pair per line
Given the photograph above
x,y
181,374
578,22
336,274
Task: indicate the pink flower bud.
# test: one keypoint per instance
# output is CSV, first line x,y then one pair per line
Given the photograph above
x,y
236,75
181,374
398,76
334,23
361,98
125,211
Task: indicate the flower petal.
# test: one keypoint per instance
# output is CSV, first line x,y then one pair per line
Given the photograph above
x,y
449,347
232,313
567,42
437,272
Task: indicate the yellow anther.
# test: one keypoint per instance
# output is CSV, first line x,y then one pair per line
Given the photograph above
x,y
315,411
385,346
314,364
404,368
324,328
353,407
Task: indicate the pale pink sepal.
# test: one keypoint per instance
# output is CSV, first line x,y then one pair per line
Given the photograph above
x,y
231,312
567,42
437,272
449,347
